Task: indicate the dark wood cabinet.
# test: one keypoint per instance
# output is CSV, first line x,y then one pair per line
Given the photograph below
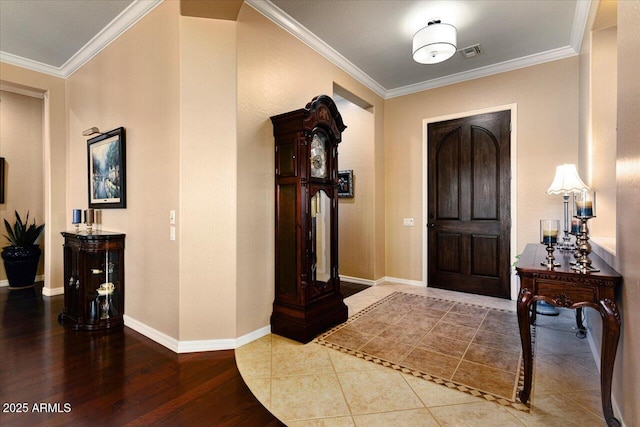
x,y
307,285
93,280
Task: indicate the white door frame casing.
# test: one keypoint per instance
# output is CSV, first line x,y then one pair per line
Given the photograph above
x,y
513,108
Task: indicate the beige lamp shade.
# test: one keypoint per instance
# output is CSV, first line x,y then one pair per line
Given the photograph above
x,y
566,180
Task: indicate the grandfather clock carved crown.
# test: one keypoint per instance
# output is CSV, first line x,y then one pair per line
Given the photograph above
x,y
307,285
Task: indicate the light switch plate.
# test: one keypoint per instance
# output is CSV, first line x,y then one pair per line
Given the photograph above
x,y
407,222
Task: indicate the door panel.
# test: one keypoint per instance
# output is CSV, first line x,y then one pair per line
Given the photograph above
x,y
448,170
484,164
484,255
469,212
449,256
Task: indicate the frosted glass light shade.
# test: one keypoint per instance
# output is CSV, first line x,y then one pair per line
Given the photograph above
x,y
434,43
566,180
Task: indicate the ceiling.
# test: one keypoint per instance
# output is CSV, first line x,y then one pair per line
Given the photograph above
x,y
370,39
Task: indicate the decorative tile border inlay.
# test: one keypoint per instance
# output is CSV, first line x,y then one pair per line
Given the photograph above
x,y
452,385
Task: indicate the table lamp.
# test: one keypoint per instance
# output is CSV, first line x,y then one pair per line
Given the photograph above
x,y
566,181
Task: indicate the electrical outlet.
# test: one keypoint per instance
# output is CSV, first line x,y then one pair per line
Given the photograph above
x,y
172,233
407,222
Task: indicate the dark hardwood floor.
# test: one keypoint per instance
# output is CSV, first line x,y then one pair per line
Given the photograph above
x,y
348,288
110,379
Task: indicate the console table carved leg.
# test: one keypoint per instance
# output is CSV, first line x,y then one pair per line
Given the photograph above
x,y
611,333
525,300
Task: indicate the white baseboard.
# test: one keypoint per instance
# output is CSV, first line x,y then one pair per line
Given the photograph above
x,y
195,345
153,334
50,292
358,280
252,336
403,281
381,280
223,344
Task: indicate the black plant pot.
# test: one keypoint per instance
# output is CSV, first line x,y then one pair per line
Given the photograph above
x,y
21,264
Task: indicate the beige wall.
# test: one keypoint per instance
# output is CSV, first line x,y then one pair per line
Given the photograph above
x,y
602,154
626,382
547,135
135,83
170,82
276,73
207,230
356,215
54,162
626,378
21,145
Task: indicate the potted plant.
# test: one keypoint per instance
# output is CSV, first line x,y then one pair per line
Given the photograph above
x,y
22,255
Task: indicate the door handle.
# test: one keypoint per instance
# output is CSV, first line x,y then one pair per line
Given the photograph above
x,y
431,225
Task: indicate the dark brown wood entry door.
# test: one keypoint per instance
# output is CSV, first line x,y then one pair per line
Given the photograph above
x,y
469,204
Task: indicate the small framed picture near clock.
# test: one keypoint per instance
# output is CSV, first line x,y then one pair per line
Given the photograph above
x,y
345,183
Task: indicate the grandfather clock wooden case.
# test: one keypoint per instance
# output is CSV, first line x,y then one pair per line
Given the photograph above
x,y
307,286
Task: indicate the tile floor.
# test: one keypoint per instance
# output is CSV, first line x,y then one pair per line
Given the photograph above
x,y
310,385
474,346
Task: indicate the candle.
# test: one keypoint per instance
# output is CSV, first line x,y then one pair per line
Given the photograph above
x,y
575,226
77,216
584,208
88,216
549,236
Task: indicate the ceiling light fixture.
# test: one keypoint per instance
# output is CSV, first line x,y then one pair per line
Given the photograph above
x,y
434,43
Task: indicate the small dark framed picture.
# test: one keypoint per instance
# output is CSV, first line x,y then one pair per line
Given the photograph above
x,y
345,183
1,179
106,156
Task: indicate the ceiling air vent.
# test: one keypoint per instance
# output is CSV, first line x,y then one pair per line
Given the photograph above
x,y
471,51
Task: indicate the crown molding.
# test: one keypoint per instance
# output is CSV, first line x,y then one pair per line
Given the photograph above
x,y
121,23
514,64
29,64
580,19
139,8
280,18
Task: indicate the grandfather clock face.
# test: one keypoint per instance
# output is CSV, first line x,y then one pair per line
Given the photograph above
x,y
318,156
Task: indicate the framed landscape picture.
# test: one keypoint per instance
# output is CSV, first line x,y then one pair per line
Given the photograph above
x,y
106,155
345,183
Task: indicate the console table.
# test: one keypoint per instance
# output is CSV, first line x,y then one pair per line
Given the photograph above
x,y
565,287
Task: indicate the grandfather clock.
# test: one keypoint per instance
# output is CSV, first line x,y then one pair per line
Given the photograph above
x,y
307,295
